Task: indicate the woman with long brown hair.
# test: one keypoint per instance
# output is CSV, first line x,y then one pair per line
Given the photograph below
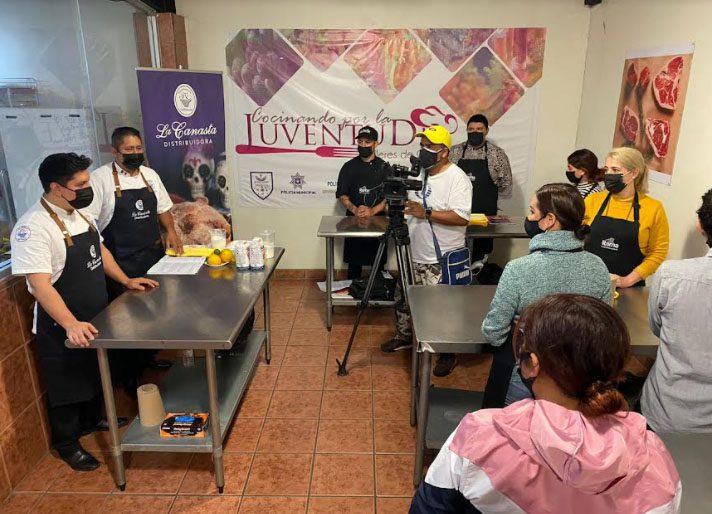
x,y
583,172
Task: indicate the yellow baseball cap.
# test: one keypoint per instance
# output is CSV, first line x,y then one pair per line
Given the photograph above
x,y
437,134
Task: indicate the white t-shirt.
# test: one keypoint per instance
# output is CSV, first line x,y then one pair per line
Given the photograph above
x,y
102,181
449,190
38,244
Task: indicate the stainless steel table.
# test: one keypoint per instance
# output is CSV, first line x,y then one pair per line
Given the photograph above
x,y
332,227
206,312
448,319
692,454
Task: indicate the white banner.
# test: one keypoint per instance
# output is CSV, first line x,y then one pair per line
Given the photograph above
x,y
300,96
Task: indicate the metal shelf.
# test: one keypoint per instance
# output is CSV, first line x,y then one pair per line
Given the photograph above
x,y
446,408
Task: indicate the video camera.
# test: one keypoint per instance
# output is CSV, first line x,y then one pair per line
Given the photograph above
x,y
397,184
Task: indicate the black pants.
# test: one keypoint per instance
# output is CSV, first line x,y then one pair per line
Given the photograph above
x,y
69,422
480,248
355,270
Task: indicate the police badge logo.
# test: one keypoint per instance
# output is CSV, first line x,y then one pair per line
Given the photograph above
x,y
298,181
261,184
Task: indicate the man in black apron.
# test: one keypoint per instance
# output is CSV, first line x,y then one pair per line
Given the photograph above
x,y
59,251
488,168
360,191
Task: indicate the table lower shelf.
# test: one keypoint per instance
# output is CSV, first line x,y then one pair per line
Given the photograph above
x,y
336,302
185,389
446,408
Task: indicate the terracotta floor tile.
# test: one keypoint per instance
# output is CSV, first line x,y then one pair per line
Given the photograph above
x,y
358,357
274,505
19,503
97,481
273,474
288,436
23,444
358,378
394,436
391,404
295,404
346,405
310,307
390,378
345,436
282,320
100,441
393,505
206,505
70,504
244,434
343,505
284,305
278,352
401,358
305,356
295,378
265,377
279,337
314,336
254,404
40,478
138,503
200,478
342,475
309,320
150,472
340,335
380,334
394,475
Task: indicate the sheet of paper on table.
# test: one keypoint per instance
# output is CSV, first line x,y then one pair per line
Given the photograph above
x,y
177,266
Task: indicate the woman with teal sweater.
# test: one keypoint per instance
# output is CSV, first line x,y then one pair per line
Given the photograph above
x,y
557,263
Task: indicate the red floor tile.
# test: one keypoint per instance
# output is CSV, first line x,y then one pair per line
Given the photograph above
x,y
138,503
343,505
206,505
295,404
288,436
274,505
279,474
200,478
345,436
342,475
346,405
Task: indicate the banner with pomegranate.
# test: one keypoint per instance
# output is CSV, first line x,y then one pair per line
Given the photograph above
x,y
650,106
299,97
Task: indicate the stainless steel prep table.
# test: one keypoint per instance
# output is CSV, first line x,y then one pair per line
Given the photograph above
x,y
448,319
332,227
206,312
692,454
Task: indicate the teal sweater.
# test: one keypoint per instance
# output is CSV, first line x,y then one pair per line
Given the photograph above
x,y
549,268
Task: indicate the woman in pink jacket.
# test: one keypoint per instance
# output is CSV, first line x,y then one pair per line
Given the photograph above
x,y
575,448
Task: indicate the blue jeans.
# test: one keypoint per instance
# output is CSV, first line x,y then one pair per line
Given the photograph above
x,y
517,390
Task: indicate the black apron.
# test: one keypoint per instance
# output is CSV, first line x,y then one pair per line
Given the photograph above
x,y
615,240
485,195
72,375
133,236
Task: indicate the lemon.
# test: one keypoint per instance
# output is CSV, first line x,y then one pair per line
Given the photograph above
x,y
226,255
214,260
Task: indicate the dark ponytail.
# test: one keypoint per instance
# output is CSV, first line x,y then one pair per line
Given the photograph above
x,y
587,161
602,398
582,231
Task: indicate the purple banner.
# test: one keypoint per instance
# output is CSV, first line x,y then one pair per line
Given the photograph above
x,y
184,137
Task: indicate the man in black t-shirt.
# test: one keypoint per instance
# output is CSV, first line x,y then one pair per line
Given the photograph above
x,y
360,190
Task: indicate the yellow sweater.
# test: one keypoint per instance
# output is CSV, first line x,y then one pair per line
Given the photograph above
x,y
654,234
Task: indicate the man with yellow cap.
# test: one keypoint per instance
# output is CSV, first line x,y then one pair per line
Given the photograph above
x,y
445,201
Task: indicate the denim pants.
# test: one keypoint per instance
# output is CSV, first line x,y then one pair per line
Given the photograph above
x,y
517,390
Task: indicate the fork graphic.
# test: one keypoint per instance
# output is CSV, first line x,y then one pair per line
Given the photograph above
x,y
321,151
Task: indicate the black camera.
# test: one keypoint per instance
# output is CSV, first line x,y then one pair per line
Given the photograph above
x,y
397,182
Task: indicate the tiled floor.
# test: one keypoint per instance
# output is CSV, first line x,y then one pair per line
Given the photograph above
x,y
304,440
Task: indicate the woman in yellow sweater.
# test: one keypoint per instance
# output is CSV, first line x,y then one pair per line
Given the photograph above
x,y
629,230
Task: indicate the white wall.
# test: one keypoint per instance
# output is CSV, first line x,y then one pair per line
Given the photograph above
x,y
621,25
211,23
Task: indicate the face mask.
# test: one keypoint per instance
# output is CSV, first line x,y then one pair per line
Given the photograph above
x,y
83,199
528,382
365,151
132,160
572,177
476,138
532,227
428,158
614,182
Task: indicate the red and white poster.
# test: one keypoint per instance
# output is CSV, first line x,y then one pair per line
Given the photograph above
x,y
650,106
299,97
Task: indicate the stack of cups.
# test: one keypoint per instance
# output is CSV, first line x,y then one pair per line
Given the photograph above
x,y
150,405
267,237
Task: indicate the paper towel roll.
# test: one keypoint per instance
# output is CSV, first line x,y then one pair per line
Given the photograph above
x,y
150,405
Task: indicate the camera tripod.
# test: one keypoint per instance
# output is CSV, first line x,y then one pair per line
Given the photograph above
x,y
397,230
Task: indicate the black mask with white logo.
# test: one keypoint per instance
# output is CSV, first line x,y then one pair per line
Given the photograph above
x,y
132,161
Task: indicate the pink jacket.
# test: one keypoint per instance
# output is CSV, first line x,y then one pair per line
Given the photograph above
x,y
537,457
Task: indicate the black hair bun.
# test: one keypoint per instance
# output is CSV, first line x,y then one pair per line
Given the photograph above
x,y
582,231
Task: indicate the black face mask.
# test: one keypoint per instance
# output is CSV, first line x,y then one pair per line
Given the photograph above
x,y
572,177
132,161
83,199
614,182
476,138
428,158
365,151
532,227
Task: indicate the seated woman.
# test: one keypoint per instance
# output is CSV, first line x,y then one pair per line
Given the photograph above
x,y
629,229
575,448
556,264
582,171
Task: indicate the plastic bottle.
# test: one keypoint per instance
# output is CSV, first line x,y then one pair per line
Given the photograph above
x,y
188,358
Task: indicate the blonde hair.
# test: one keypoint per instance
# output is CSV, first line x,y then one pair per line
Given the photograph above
x,y
632,159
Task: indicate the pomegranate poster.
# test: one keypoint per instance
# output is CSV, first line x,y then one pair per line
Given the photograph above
x,y
650,107
299,97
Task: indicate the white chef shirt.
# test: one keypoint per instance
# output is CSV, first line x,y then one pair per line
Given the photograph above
x,y
102,181
449,190
38,244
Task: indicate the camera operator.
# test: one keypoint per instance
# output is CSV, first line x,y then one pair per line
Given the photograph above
x,y
448,195
360,191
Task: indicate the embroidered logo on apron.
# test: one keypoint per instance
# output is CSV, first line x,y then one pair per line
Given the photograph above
x,y
610,244
95,260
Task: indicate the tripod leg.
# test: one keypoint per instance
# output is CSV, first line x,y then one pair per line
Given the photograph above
x,y
364,302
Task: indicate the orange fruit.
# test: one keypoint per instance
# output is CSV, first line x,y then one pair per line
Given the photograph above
x,y
214,260
226,255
